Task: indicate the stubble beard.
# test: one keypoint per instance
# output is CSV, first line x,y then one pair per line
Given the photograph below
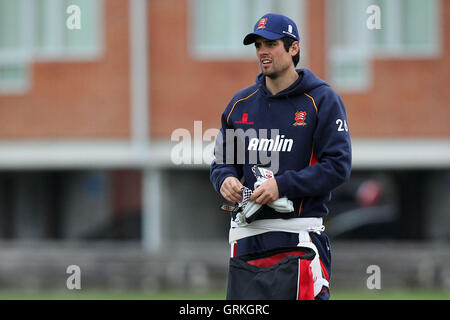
x,y
271,73
274,72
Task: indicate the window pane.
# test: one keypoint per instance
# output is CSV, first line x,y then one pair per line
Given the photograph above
x,y
87,37
419,22
39,28
9,24
408,26
380,36
54,40
351,75
218,26
349,70
349,49
13,78
212,22
347,23
337,18
256,9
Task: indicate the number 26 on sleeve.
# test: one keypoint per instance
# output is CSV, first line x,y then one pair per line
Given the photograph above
x,y
342,125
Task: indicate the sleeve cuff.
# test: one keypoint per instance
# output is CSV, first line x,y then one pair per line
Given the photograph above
x,y
281,183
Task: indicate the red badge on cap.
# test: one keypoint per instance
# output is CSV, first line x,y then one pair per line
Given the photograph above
x,y
262,23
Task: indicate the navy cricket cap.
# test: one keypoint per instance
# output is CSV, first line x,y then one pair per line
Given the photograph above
x,y
273,26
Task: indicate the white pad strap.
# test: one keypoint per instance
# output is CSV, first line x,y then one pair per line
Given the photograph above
x,y
319,281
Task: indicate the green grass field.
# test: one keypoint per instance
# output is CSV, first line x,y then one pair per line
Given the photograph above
x,y
215,295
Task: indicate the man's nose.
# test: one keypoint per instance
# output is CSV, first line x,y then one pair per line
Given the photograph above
x,y
262,50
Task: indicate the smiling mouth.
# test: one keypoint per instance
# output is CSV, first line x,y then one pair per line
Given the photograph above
x,y
266,61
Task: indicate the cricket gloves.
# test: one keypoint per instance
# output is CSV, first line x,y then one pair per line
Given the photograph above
x,y
247,209
283,205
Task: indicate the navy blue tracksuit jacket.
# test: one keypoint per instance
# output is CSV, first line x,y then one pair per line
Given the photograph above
x,y
304,128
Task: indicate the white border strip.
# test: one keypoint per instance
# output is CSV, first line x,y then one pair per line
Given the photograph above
x,y
367,154
401,153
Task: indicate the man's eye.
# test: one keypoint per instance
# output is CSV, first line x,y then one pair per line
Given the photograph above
x,y
257,45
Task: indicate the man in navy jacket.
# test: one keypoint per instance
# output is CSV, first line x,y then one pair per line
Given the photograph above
x,y
300,123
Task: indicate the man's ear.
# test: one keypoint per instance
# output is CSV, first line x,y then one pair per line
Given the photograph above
x,y
295,48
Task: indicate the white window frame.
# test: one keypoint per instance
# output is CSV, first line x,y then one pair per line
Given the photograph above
x,y
22,55
54,30
364,49
27,52
356,53
16,87
238,29
394,48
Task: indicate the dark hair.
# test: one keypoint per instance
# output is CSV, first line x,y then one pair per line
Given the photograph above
x,y
288,41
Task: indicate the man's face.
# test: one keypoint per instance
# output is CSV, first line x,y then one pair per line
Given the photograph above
x,y
272,57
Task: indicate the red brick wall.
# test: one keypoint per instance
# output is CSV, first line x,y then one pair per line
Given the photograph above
x,y
407,97
77,99
92,99
184,89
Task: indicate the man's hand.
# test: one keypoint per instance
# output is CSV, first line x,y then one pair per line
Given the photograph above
x,y
231,189
266,193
